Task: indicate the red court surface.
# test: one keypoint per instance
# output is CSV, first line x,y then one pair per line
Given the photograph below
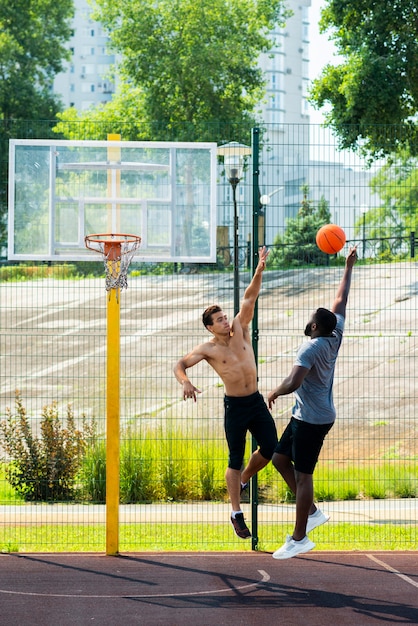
x,y
209,589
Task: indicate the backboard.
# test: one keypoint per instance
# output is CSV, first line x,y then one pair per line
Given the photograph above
x,y
61,191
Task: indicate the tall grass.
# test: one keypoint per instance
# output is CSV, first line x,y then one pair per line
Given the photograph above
x,y
372,480
152,470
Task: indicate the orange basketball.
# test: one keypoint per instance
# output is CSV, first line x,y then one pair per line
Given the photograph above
x,y
330,238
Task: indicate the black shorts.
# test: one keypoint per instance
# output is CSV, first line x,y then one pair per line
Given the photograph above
x,y
243,414
302,442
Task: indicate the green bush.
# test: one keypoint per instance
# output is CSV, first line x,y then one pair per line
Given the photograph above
x,y
24,272
43,468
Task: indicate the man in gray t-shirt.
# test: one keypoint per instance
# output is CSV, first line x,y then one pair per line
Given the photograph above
x,y
314,402
313,414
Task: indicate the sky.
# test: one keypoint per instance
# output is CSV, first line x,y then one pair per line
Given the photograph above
x,y
321,51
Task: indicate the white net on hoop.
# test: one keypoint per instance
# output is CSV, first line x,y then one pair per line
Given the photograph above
x,y
117,256
117,269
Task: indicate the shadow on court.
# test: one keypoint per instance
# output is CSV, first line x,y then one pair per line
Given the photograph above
x,y
209,588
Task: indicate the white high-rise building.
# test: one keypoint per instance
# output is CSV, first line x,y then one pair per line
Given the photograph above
x,y
88,79
285,155
284,161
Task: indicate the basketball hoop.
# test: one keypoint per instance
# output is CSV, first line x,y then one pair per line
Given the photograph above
x,y
117,251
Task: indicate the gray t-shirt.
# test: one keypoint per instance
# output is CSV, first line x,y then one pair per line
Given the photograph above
x,y
314,401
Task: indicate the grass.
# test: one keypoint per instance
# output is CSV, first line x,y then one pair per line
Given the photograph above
x,y
200,537
175,477
7,493
378,480
374,480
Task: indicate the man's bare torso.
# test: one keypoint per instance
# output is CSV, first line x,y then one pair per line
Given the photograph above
x,y
234,362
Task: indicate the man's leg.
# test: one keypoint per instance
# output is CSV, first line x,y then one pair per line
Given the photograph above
x,y
255,464
233,484
304,500
284,466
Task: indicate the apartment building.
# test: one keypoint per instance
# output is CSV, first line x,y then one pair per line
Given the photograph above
x,y
285,161
88,79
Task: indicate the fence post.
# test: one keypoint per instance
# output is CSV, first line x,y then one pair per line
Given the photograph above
x,y
255,143
412,240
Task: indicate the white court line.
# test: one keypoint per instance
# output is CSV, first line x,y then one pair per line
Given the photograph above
x,y
264,578
393,570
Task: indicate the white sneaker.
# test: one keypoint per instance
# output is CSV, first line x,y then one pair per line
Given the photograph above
x,y
293,548
316,519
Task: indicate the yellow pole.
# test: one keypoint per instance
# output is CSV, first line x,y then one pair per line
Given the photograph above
x,y
113,183
113,391
112,421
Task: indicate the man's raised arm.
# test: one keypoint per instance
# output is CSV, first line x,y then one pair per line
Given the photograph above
x,y
341,298
251,293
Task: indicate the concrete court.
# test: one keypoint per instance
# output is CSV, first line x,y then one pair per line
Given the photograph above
x,y
172,589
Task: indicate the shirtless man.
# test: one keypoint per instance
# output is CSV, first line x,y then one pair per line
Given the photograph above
x,y
231,355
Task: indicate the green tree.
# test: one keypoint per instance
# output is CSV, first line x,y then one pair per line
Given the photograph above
x,y
32,50
392,222
297,246
373,93
193,67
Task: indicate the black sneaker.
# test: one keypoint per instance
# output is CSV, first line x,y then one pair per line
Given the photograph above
x,y
244,487
240,527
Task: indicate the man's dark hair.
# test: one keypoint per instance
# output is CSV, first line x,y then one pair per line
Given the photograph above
x,y
207,315
325,320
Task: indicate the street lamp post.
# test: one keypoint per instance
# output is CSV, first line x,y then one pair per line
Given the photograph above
x,y
234,154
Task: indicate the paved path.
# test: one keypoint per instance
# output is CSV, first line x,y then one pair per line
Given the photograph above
x,y
400,511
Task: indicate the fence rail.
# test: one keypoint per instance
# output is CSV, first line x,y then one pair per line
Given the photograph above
x,y
173,453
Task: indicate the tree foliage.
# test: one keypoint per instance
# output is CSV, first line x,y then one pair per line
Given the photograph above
x,y
32,50
193,66
397,216
373,93
297,246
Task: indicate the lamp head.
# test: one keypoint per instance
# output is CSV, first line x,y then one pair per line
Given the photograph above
x,y
234,154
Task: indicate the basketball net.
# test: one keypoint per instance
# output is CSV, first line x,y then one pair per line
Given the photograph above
x,y
117,252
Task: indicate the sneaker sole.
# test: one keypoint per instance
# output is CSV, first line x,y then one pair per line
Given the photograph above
x,y
281,556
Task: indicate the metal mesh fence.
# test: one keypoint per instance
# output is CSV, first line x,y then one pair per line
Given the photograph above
x,y
173,453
